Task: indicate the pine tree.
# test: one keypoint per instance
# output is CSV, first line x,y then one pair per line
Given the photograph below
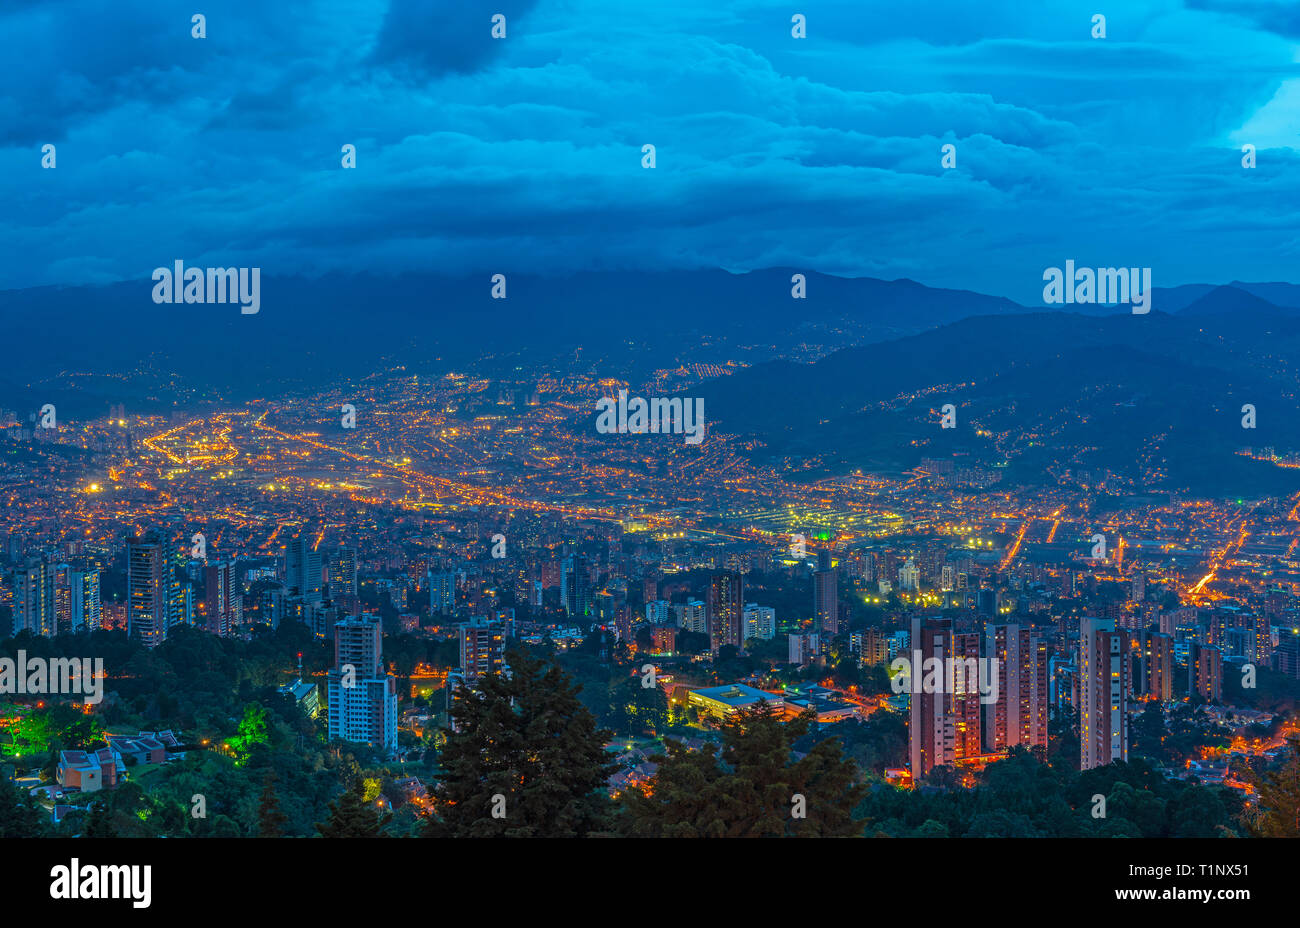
x,y
19,815
754,787
270,818
1278,812
352,817
525,760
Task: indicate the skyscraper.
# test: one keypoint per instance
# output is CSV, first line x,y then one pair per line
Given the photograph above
x,y
87,608
343,572
362,696
1103,693
726,610
302,575
826,603
442,593
219,597
1155,677
1205,672
61,587
1019,715
945,725
33,602
575,586
155,596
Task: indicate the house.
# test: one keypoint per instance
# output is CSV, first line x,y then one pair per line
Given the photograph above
x,y
168,739
144,750
87,771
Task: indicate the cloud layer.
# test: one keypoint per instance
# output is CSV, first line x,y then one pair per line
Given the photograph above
x,y
524,153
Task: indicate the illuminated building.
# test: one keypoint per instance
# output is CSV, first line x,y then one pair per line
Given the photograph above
x,y
1019,715
656,612
1155,676
302,574
61,582
1286,659
945,725
693,616
804,648
442,593
826,604
33,598
760,622
155,596
1205,672
721,701
1103,682
726,610
343,572
873,648
664,639
575,586
482,647
219,597
909,576
362,697
87,608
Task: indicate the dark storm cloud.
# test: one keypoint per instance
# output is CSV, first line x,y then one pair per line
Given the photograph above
x,y
478,155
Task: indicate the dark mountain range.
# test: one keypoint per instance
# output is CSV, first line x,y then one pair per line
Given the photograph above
x,y
1137,395
1041,386
1223,300
312,331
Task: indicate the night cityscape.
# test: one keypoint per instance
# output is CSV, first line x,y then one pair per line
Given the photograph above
x,y
572,421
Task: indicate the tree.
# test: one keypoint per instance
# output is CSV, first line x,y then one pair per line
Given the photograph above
x,y
351,816
754,787
253,730
525,759
1278,814
19,815
270,818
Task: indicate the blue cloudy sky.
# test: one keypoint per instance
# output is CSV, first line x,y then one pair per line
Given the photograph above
x,y
524,154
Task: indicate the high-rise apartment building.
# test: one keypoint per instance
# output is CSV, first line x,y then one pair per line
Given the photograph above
x,y
343,572
482,647
87,606
693,616
303,575
155,593
1103,681
220,596
760,622
1019,715
33,598
1154,679
362,696
442,592
826,602
1205,672
726,610
945,725
576,587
